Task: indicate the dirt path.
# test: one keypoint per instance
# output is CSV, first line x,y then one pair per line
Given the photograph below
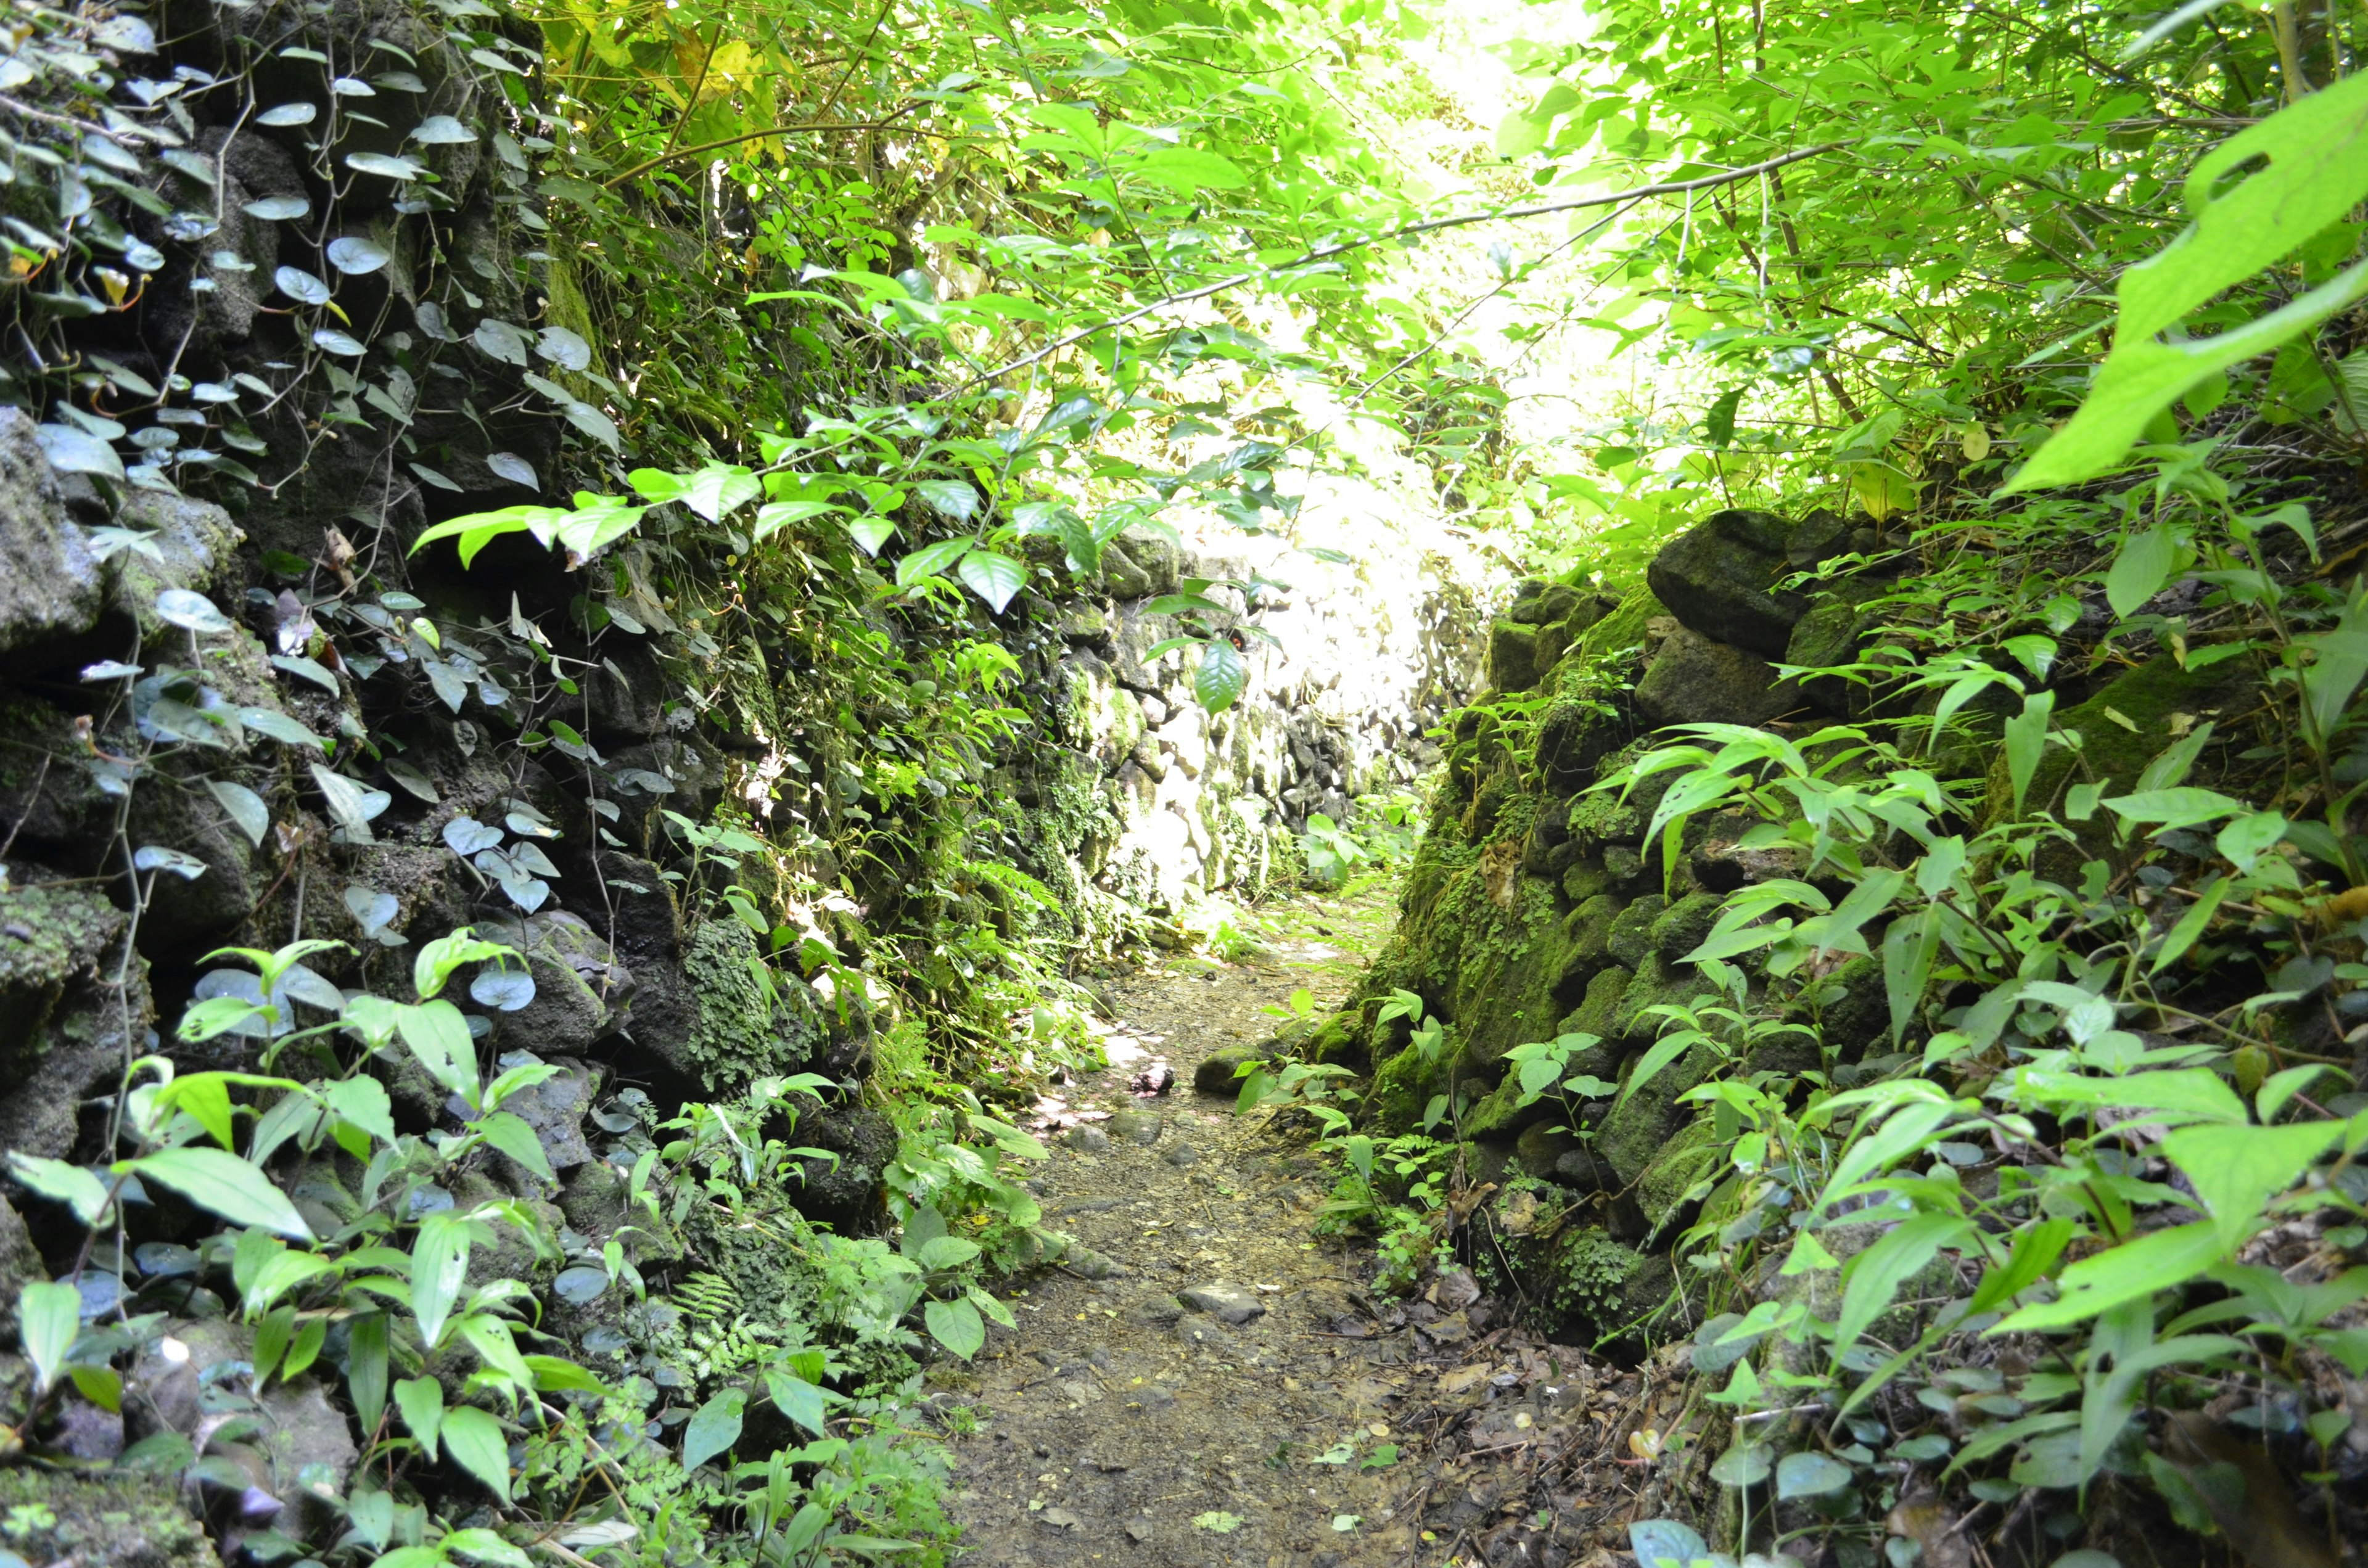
x,y
1121,1425
1226,1394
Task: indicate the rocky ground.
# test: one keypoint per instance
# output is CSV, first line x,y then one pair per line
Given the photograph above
x,y
1211,1382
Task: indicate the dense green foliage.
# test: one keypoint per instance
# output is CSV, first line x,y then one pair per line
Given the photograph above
x,y
858,334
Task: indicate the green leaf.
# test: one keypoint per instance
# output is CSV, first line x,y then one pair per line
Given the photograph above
x,y
929,561
956,1325
799,1400
1810,1475
363,1102
75,1188
712,1428
225,1184
2026,739
1519,135
948,498
993,577
474,1441
510,1132
366,1358
1871,1279
439,1266
2236,1170
2159,1260
2317,169
244,807
2140,568
438,1034
421,1400
1219,679
49,1319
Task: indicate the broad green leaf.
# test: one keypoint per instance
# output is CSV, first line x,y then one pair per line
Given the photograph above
x,y
225,1184
72,1186
509,1133
2159,1260
2315,171
2140,569
2237,1169
421,1400
1871,1280
363,1102
474,1441
49,1319
440,1268
712,1428
1218,680
956,1325
930,560
799,1400
993,577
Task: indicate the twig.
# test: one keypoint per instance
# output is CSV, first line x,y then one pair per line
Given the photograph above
x,y
1431,225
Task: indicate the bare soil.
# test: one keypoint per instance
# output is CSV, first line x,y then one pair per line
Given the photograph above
x,y
1333,1429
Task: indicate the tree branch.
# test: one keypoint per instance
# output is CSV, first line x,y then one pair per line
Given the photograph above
x,y
1429,225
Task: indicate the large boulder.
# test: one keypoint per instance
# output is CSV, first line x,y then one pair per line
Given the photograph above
x,y
1512,656
63,1019
1698,680
580,987
302,1451
49,579
1719,579
119,1520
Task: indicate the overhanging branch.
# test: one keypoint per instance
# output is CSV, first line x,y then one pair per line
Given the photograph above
x,y
1429,225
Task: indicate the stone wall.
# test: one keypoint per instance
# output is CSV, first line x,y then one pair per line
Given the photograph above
x,y
1150,801
1535,908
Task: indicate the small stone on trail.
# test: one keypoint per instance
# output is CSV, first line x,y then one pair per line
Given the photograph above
x,y
1182,1154
1060,1519
1089,1263
1226,1304
1138,1529
1135,1126
1088,1138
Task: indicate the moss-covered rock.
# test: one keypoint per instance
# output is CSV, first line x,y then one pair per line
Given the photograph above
x,y
1600,1013
1632,1134
1401,1086
580,988
1587,936
1512,656
2121,729
1602,1288
1685,925
1848,1009
1827,636
1685,1159
1719,579
119,1520
1629,937
61,1022
1542,1146
1622,628
1696,679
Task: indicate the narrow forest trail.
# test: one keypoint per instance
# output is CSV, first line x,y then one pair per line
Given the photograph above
x,y
1227,1393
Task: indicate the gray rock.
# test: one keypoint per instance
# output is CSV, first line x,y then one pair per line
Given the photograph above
x,y
1695,680
49,582
21,1266
1718,578
1091,1139
556,1108
1182,1154
197,549
1215,1074
300,1428
1136,1126
1232,1304
580,988
1088,1263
